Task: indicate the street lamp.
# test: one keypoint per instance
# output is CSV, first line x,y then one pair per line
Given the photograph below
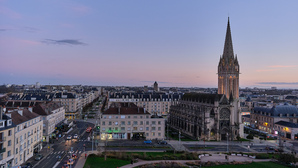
x,y
227,142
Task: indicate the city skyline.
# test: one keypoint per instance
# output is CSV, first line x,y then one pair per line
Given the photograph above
x,y
134,43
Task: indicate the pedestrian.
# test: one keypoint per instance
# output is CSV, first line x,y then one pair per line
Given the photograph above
x,y
131,161
85,155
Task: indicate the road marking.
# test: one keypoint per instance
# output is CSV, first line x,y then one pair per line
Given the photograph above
x,y
51,152
59,152
55,153
56,165
80,152
62,152
48,157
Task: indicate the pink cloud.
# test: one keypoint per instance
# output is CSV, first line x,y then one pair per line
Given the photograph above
x,y
80,9
282,66
10,13
265,70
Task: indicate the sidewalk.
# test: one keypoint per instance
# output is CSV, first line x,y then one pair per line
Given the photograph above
x,y
81,161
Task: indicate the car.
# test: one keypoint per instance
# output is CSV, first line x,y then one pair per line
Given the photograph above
x,y
162,142
69,137
278,150
147,142
76,136
27,165
59,157
38,157
269,148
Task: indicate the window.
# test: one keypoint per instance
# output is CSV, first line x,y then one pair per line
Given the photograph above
x,y
153,128
159,122
147,122
110,117
1,124
110,128
103,128
103,123
153,133
9,133
153,122
122,128
159,134
141,122
17,150
122,122
17,140
159,128
9,143
110,122
147,134
147,128
116,123
135,123
128,129
123,116
141,116
116,128
141,128
128,122
135,116
135,128
128,116
8,153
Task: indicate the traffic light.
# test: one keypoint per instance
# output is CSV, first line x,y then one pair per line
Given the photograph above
x,y
97,128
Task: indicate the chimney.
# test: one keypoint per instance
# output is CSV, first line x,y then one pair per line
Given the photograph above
x,y
30,109
20,112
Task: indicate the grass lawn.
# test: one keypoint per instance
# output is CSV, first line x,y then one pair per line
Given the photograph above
x,y
254,165
95,162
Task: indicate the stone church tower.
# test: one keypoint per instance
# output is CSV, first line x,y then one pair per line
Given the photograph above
x,y
228,85
228,69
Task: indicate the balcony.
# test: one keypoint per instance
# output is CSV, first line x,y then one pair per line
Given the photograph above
x,y
2,150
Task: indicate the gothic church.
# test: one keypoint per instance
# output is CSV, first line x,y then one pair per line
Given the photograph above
x,y
212,116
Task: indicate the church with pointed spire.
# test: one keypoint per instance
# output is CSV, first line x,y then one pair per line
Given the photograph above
x,y
228,69
212,116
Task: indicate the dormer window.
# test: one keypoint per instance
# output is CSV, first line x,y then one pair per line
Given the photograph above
x,y
1,124
9,122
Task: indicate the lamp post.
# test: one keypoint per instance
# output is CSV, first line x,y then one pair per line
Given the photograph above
x,y
179,137
227,142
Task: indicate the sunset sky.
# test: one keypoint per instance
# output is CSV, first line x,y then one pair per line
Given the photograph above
x,y
136,42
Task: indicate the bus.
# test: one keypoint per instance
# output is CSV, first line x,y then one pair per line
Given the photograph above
x,y
88,129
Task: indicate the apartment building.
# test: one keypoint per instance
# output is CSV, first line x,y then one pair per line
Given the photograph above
x,y
286,129
264,118
155,103
6,140
52,113
127,121
27,134
70,102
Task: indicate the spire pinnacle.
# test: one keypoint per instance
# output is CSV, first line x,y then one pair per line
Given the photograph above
x,y
228,48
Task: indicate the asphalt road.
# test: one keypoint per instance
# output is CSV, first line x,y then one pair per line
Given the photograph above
x,y
62,147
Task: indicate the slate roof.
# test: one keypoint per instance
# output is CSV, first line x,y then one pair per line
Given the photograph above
x,y
69,95
277,110
125,108
287,124
201,97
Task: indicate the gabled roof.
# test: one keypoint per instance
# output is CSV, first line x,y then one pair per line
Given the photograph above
x,y
27,115
46,108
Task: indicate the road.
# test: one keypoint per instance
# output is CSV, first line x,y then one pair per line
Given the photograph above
x,y
63,147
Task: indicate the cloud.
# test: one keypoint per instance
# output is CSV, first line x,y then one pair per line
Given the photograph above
x,y
10,13
80,9
4,29
278,83
282,66
265,70
30,29
154,81
64,42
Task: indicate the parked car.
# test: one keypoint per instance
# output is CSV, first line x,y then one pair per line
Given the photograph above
x,y
38,157
162,142
147,142
76,136
27,165
69,137
269,148
278,150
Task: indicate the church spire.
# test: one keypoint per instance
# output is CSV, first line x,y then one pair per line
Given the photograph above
x,y
228,48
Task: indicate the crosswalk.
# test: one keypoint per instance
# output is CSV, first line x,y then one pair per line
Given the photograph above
x,y
62,152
